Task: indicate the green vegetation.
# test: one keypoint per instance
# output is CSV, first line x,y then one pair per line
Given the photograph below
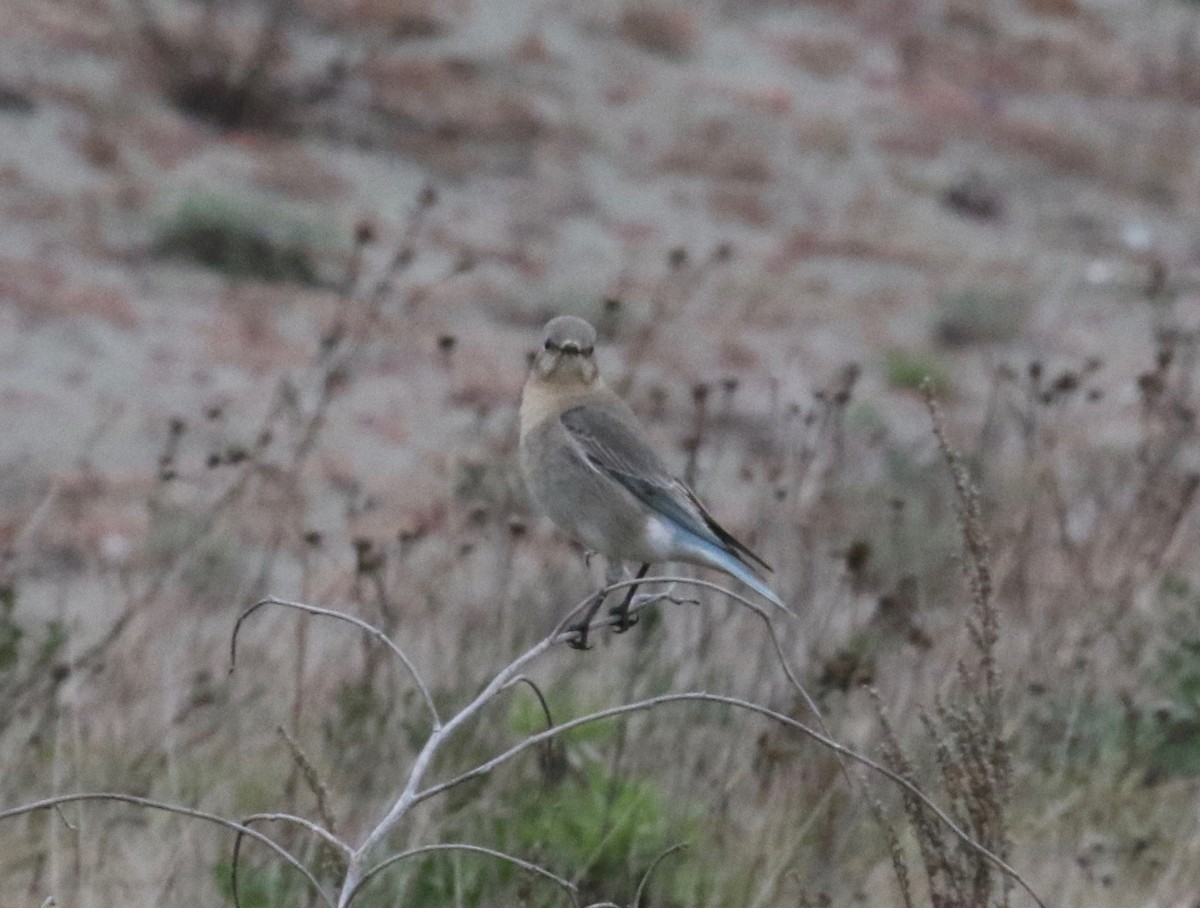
x,y
907,370
1176,731
606,829
238,240
979,316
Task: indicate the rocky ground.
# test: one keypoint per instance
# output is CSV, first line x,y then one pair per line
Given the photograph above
x,y
345,221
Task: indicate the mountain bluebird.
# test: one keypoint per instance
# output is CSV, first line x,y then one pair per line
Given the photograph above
x,y
588,466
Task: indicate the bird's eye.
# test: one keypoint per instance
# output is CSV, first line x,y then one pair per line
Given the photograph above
x,y
550,345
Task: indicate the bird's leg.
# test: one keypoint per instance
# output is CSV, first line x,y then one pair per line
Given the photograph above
x,y
582,627
624,620
612,573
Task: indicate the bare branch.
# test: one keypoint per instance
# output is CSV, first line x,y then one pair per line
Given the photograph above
x,y
794,680
441,733
477,849
525,679
350,619
562,635
315,828
637,895
411,794
47,803
511,674
703,696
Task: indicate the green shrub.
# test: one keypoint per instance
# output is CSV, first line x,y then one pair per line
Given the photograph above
x,y
603,831
906,370
271,886
1175,749
979,316
239,241
600,831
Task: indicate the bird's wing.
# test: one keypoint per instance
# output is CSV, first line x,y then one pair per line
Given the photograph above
x,y
611,447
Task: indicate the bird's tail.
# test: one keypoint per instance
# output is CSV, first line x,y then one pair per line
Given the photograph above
x,y
706,553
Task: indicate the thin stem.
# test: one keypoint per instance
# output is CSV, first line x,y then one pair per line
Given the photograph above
x,y
235,861
408,797
171,808
315,828
476,849
705,697
548,756
525,679
350,619
637,895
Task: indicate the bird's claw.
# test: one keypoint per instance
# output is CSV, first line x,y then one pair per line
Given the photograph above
x,y
580,640
624,620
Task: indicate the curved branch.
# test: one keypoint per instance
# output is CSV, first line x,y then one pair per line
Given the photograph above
x,y
442,733
566,884
171,808
561,635
350,619
548,755
637,896
703,696
760,612
314,828
525,679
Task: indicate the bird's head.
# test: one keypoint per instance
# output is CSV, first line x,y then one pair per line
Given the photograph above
x,y
566,358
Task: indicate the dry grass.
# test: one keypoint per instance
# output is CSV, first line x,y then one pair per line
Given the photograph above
x,y
1019,702
1047,704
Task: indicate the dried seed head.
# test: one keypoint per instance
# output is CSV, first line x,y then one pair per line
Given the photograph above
x,y
858,553
364,232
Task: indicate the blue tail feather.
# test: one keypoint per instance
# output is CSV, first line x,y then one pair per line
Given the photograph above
x,y
705,552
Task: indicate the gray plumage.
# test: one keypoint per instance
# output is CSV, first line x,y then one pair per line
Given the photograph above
x,y
587,465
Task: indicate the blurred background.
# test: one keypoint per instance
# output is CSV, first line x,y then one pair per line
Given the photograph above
x,y
269,274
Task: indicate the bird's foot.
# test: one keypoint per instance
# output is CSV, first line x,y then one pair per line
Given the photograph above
x,y
580,630
624,620
580,640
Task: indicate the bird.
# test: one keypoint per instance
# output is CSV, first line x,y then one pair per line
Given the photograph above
x,y
589,467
